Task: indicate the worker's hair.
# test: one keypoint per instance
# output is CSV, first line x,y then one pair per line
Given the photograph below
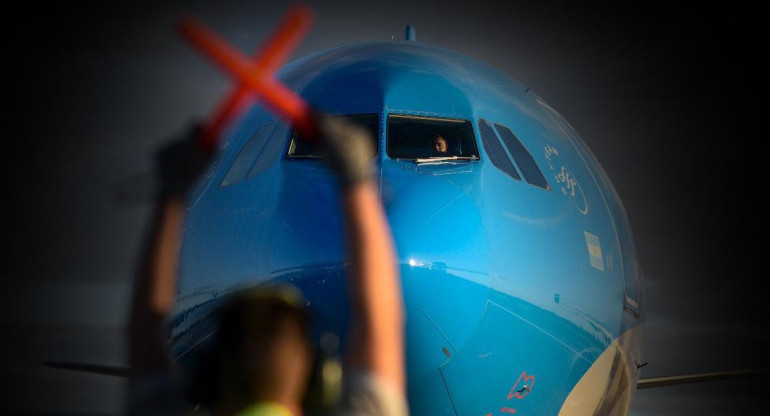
x,y
261,350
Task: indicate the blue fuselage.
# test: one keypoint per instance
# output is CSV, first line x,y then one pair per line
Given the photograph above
x,y
518,267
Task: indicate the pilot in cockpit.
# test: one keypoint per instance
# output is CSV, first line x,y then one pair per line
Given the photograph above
x,y
440,145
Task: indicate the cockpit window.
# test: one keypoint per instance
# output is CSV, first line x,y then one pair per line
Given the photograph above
x,y
523,158
247,156
495,150
427,138
299,148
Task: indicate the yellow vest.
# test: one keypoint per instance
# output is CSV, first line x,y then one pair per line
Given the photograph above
x,y
265,409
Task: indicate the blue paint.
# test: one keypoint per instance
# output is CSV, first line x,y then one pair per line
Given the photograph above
x,y
497,274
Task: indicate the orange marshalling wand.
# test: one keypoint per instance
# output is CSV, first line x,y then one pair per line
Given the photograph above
x,y
255,76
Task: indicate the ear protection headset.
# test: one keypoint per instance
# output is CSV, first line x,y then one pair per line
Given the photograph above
x,y
324,388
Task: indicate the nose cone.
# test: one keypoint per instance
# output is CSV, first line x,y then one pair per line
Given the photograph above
x,y
443,251
443,309
433,212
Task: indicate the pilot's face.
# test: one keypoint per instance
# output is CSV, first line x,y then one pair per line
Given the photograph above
x,y
440,145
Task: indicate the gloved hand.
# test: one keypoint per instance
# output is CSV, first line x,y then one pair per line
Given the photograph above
x,y
180,163
346,148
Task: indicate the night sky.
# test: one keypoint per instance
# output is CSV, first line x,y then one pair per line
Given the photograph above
x,y
667,98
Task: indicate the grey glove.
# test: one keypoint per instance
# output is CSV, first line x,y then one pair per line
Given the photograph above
x,y
346,148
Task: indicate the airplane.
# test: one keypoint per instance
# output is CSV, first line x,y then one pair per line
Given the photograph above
x,y
522,289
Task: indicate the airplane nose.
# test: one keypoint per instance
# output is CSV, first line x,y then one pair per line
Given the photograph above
x,y
444,256
435,219
443,308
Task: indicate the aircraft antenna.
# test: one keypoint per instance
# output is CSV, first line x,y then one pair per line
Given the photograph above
x,y
411,35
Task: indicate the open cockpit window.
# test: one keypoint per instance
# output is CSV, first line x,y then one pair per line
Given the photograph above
x,y
425,139
299,148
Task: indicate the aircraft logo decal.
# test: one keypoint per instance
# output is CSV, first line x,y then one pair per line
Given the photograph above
x,y
521,389
521,393
566,179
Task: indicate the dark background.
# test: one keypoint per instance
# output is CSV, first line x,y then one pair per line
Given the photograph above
x,y
668,99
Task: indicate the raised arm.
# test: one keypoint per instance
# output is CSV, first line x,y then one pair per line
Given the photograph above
x,y
178,165
375,290
374,287
151,388
154,287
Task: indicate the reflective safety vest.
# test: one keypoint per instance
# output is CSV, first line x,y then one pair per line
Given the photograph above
x,y
265,409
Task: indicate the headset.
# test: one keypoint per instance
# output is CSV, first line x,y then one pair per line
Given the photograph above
x,y
324,388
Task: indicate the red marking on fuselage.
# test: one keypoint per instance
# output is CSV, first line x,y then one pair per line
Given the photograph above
x,y
529,381
508,410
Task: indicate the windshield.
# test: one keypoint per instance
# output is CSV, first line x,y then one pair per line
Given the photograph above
x,y
303,149
426,138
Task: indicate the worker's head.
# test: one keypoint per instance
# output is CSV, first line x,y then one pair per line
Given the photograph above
x,y
263,352
439,144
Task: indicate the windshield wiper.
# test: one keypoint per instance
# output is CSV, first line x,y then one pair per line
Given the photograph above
x,y
444,159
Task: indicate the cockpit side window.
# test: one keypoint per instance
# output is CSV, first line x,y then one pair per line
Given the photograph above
x,y
417,138
271,151
495,150
247,156
523,158
299,148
